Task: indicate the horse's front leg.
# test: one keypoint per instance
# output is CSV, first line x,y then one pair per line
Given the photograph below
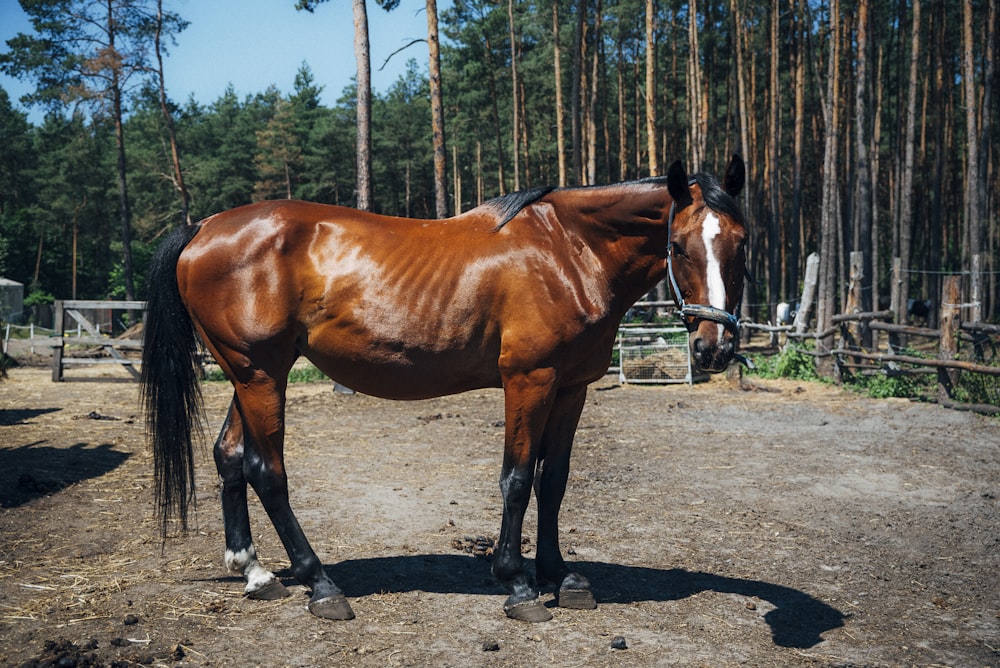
x,y
241,555
527,401
550,486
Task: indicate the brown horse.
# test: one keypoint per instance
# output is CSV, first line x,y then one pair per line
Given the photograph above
x,y
525,292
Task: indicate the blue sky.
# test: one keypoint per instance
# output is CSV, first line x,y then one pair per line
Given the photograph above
x,y
252,44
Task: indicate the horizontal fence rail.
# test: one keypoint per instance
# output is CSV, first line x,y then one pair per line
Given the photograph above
x,y
72,310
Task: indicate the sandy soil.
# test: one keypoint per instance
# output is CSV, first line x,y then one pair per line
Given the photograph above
x,y
787,524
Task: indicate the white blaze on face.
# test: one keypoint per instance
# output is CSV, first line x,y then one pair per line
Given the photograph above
x,y
710,228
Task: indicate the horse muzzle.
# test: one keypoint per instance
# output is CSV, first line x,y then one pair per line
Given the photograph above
x,y
713,338
711,355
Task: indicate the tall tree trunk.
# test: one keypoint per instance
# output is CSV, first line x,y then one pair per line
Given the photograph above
x,y
695,130
972,225
829,223
560,113
364,106
457,185
740,41
437,116
168,120
525,128
124,209
977,141
935,248
862,212
652,163
774,248
495,109
873,151
905,222
797,238
985,140
515,91
622,124
592,103
577,92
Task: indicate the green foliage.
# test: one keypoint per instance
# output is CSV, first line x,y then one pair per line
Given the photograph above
x,y
215,375
977,388
793,363
142,254
38,297
306,374
300,374
790,363
18,157
885,386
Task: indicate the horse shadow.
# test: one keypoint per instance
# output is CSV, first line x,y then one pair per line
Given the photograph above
x,y
798,620
34,470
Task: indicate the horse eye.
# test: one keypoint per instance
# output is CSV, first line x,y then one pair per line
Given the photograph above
x,y
677,249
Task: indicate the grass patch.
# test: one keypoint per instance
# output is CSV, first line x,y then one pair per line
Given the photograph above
x,y
307,373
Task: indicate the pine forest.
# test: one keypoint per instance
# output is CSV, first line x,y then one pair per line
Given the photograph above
x,y
866,127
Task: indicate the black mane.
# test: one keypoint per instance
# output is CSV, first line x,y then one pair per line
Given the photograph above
x,y
509,205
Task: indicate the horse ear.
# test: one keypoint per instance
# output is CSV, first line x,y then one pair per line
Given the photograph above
x,y
677,184
736,176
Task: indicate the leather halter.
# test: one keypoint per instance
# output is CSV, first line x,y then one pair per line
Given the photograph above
x,y
697,311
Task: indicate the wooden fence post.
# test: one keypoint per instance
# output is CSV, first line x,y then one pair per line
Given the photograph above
x,y
808,292
950,320
852,330
976,289
57,351
897,341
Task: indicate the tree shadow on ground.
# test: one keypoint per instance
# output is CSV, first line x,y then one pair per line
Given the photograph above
x,y
797,620
34,470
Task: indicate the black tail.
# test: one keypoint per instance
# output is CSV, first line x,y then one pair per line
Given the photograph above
x,y
171,396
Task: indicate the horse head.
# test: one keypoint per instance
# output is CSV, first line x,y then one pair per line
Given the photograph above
x,y
706,260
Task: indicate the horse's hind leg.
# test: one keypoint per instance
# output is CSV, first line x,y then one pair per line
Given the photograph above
x,y
550,485
241,556
262,408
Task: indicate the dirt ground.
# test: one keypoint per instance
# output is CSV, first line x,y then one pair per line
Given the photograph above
x,y
785,524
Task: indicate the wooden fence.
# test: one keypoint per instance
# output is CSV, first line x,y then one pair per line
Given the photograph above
x,y
70,311
873,342
857,342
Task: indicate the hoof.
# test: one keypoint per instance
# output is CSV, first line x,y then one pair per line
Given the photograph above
x,y
528,611
576,599
575,593
332,607
271,591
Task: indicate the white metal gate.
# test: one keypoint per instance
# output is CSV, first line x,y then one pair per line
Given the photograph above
x,y
655,355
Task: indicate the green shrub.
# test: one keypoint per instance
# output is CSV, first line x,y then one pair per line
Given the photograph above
x,y
303,374
38,297
977,388
883,386
792,362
